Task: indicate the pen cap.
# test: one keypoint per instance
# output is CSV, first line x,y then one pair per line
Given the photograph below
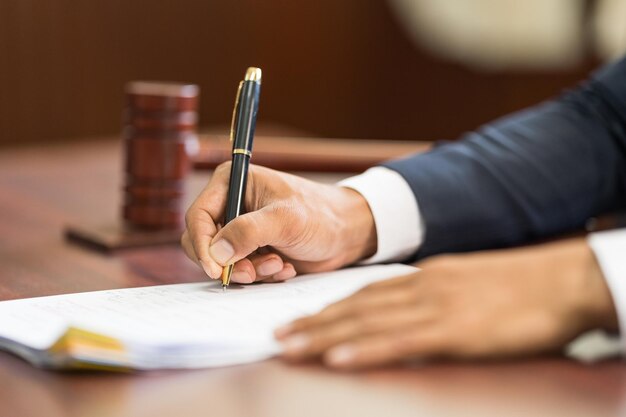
x,y
247,109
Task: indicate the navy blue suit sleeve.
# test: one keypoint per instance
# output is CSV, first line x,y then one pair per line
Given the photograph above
x,y
536,173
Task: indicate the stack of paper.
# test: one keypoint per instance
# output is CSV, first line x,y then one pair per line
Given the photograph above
x,y
171,326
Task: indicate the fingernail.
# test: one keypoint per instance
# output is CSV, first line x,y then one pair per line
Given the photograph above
x,y
222,251
283,330
210,269
241,276
341,355
270,267
296,343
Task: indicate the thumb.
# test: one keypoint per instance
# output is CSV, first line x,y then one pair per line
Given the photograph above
x,y
245,234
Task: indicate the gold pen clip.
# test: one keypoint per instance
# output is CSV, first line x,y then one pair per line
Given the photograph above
x,y
232,123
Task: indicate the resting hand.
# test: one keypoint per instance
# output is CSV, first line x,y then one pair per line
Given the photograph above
x,y
291,224
483,305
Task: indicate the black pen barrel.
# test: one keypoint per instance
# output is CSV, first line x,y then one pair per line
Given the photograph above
x,y
235,201
242,135
246,115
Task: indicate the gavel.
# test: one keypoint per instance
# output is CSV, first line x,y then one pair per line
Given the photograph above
x,y
159,133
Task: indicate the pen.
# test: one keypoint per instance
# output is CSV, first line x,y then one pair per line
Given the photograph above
x,y
241,134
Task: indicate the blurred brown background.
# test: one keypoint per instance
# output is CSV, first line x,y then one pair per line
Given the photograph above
x,y
331,68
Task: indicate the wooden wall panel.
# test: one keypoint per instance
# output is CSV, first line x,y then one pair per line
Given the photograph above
x,y
331,68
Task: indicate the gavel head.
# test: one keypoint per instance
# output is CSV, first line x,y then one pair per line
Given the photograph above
x,y
159,130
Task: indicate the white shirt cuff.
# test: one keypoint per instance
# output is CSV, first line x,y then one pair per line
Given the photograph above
x,y
399,225
610,250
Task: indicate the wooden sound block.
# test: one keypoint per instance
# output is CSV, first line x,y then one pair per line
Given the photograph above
x,y
113,237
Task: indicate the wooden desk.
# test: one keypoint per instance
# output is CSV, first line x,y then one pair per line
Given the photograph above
x,y
311,154
44,188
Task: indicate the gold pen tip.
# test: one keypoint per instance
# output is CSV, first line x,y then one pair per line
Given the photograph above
x,y
223,288
253,74
226,273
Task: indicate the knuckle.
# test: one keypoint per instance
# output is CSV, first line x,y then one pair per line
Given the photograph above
x,y
254,170
318,339
403,343
222,169
189,217
195,217
192,216
410,343
367,323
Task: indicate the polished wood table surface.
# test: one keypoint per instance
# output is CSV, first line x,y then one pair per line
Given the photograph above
x,y
287,153
43,189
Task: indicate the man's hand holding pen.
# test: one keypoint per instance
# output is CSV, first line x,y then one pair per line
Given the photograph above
x,y
274,224
291,225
